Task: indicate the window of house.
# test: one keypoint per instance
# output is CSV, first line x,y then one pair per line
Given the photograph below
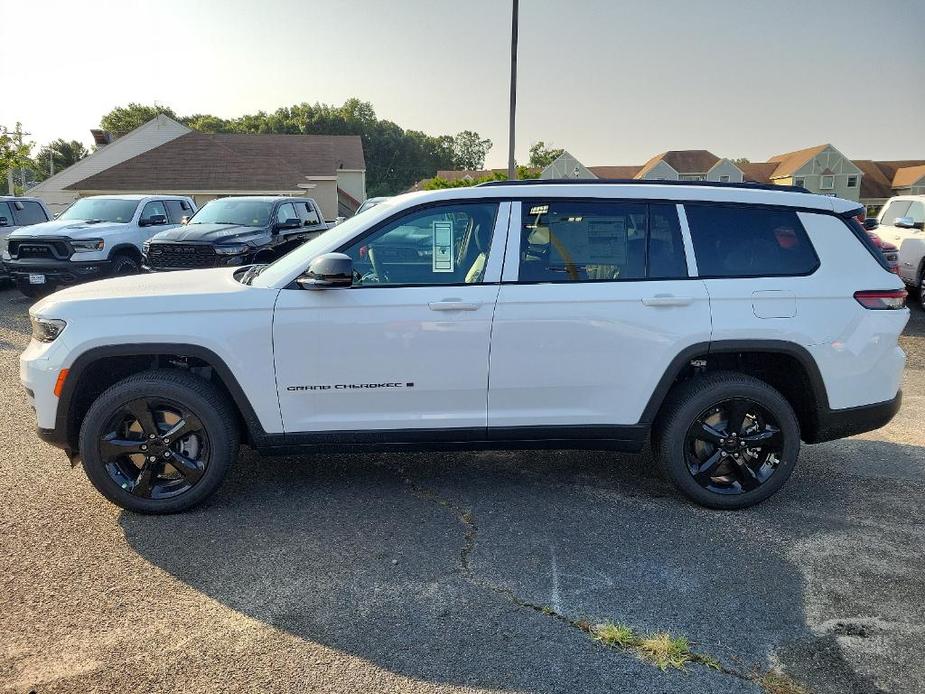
x,y
852,181
724,178
567,241
800,181
441,245
827,182
739,241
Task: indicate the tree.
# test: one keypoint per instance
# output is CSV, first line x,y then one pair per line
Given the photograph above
x,y
14,156
740,161
62,152
542,156
469,150
123,119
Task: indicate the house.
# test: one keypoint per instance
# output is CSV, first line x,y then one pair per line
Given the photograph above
x,y
329,168
821,169
884,179
675,165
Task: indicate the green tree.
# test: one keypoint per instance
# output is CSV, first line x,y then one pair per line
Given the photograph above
x,y
470,150
14,156
740,161
123,119
542,156
63,153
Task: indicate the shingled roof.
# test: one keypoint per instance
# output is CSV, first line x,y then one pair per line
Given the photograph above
x,y
684,161
200,161
789,162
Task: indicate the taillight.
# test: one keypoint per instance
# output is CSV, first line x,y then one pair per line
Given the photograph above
x,y
882,300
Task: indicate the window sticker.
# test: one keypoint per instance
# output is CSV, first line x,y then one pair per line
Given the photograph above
x,y
443,246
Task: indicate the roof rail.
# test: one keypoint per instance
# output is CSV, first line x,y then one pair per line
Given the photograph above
x,y
747,185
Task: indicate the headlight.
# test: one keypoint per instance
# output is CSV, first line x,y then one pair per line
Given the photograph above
x,y
46,329
145,247
232,250
5,254
87,245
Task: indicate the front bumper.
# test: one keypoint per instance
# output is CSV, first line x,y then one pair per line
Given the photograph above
x,y
838,424
57,271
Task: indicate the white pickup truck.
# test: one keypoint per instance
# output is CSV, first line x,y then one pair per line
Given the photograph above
x,y
902,222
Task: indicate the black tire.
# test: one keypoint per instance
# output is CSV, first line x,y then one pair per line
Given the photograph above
x,y
124,265
922,288
687,410
169,489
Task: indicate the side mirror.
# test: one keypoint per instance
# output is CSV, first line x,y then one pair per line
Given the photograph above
x,y
904,222
184,220
292,223
152,221
871,223
328,271
4,222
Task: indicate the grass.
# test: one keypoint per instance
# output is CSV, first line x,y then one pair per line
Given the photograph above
x,y
777,683
617,635
664,650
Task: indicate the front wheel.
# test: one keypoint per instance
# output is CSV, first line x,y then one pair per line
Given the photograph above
x,y
124,265
727,440
159,442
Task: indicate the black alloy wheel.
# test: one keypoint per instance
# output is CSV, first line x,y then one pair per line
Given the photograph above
x,y
154,448
733,447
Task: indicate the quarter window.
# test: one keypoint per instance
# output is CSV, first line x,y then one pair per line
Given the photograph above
x,y
739,241
566,241
28,212
434,246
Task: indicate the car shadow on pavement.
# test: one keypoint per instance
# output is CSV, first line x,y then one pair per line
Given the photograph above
x,y
473,568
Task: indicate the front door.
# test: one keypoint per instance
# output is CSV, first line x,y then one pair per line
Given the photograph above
x,y
406,347
595,304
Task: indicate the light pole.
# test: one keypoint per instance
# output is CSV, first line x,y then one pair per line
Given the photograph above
x,y
511,173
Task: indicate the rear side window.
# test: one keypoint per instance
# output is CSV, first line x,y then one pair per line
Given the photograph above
x,y
738,241
177,210
28,212
594,241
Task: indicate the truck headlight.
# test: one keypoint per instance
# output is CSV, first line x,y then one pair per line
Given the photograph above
x,y
233,249
5,254
87,245
46,329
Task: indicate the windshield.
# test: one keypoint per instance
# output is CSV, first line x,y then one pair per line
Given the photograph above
x,y
897,208
248,213
296,261
101,210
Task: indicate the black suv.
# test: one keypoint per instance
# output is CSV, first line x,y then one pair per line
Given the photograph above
x,y
236,231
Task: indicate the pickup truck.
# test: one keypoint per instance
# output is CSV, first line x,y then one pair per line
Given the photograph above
x,y
236,231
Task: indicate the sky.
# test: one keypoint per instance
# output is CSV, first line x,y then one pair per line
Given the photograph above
x,y
612,82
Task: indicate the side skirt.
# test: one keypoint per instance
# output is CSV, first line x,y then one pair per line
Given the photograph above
x,y
627,439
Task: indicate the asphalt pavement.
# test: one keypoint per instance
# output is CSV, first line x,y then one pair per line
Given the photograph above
x,y
463,572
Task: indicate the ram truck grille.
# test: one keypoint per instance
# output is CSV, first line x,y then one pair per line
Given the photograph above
x,y
50,250
173,256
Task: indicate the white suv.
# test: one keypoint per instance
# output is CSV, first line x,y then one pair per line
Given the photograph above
x,y
724,323
96,236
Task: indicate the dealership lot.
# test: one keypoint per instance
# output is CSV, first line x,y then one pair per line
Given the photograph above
x,y
462,572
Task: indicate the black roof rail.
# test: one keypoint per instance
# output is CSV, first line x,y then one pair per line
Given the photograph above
x,y
746,185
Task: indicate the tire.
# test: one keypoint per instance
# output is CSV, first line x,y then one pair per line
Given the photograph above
x,y
922,288
731,475
178,478
124,265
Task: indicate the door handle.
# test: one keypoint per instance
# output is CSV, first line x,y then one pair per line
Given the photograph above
x,y
454,305
667,300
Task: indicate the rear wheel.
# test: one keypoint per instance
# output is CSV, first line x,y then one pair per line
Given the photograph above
x,y
727,440
159,441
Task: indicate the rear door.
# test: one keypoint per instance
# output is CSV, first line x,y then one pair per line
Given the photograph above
x,y
598,297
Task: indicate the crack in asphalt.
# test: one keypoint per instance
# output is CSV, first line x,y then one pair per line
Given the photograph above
x,y
465,516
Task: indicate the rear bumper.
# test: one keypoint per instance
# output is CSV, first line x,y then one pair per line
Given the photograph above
x,y
57,271
837,424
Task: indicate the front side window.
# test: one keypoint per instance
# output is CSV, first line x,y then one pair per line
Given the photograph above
x,y
308,213
739,241
917,212
286,212
7,214
434,246
153,208
590,241
177,210
101,210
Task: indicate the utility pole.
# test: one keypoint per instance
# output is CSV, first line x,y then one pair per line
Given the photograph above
x,y
511,172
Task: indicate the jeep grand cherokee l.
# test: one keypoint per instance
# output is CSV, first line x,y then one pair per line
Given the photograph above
x,y
722,323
